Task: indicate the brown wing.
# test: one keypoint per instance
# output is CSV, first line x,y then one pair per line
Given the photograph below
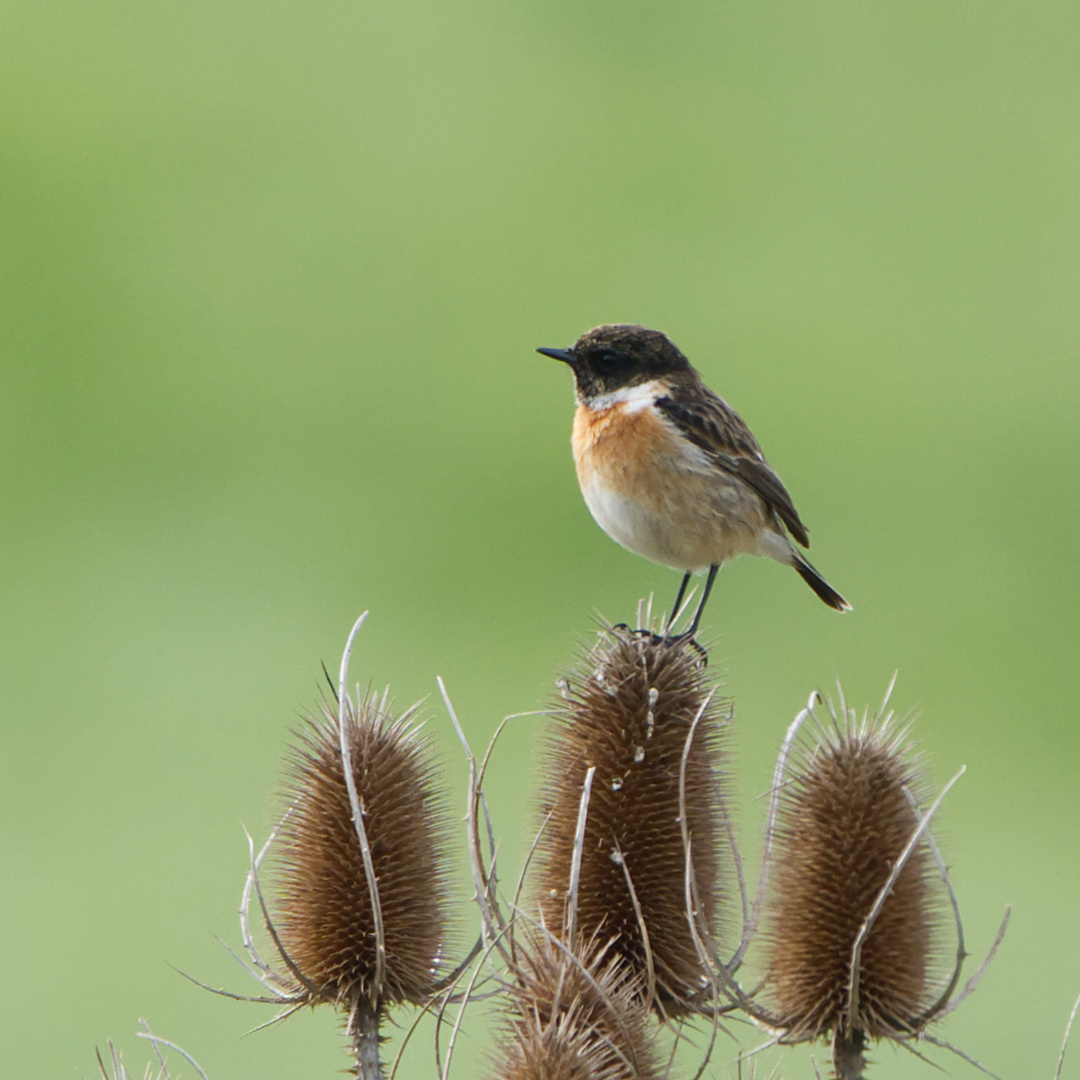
x,y
713,426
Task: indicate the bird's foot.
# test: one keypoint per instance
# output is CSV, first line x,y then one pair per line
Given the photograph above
x,y
641,632
687,638
668,640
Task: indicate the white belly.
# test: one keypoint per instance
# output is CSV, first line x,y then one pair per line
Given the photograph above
x,y
687,534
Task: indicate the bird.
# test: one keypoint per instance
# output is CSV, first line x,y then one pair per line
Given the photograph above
x,y
669,469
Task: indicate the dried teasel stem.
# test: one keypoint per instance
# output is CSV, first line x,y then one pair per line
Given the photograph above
x,y
617,745
750,926
855,917
360,870
364,1023
898,867
572,1007
364,1018
344,743
575,856
715,971
485,878
847,1051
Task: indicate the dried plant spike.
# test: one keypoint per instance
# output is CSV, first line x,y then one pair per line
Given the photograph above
x,y
323,907
854,879
628,713
572,1014
358,910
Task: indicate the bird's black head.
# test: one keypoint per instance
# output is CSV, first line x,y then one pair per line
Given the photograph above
x,y
615,357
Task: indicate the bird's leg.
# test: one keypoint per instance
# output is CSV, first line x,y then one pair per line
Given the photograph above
x,y
689,634
678,602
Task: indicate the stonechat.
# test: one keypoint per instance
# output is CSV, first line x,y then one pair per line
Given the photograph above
x,y
668,468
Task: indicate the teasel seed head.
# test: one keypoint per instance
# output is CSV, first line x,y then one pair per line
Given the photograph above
x,y
323,907
845,816
572,1014
644,714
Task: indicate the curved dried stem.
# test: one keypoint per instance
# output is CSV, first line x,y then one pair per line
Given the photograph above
x,y
482,773
710,963
268,977
451,977
490,878
249,968
420,1014
706,955
493,926
1065,1040
443,994
277,999
575,856
776,1040
343,670
157,1041
925,1037
879,903
154,1046
674,1050
770,829
519,887
905,1040
306,983
740,877
443,1070
961,951
284,1014
345,708
650,966
975,979
715,1027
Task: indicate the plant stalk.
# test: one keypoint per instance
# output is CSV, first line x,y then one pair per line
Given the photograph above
x,y
366,1040
848,1060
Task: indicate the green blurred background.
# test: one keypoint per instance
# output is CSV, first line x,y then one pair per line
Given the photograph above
x,y
273,274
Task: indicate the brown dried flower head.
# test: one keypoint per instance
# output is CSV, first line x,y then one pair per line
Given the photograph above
x,y
573,1015
644,713
845,816
323,911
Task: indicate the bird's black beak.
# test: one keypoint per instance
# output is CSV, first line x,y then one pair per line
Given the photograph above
x,y
565,355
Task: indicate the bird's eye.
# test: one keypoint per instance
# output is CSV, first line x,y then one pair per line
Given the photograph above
x,y
607,362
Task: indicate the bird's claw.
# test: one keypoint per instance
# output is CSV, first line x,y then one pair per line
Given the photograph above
x,y
668,640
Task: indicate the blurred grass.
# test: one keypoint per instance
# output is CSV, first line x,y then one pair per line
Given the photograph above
x,y
272,277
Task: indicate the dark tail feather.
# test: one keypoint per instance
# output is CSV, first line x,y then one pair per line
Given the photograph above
x,y
816,582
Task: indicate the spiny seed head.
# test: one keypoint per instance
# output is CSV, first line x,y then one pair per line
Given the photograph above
x,y
629,712
323,909
844,818
573,1015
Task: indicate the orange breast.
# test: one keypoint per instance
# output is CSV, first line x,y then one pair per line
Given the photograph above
x,y
622,448
654,493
